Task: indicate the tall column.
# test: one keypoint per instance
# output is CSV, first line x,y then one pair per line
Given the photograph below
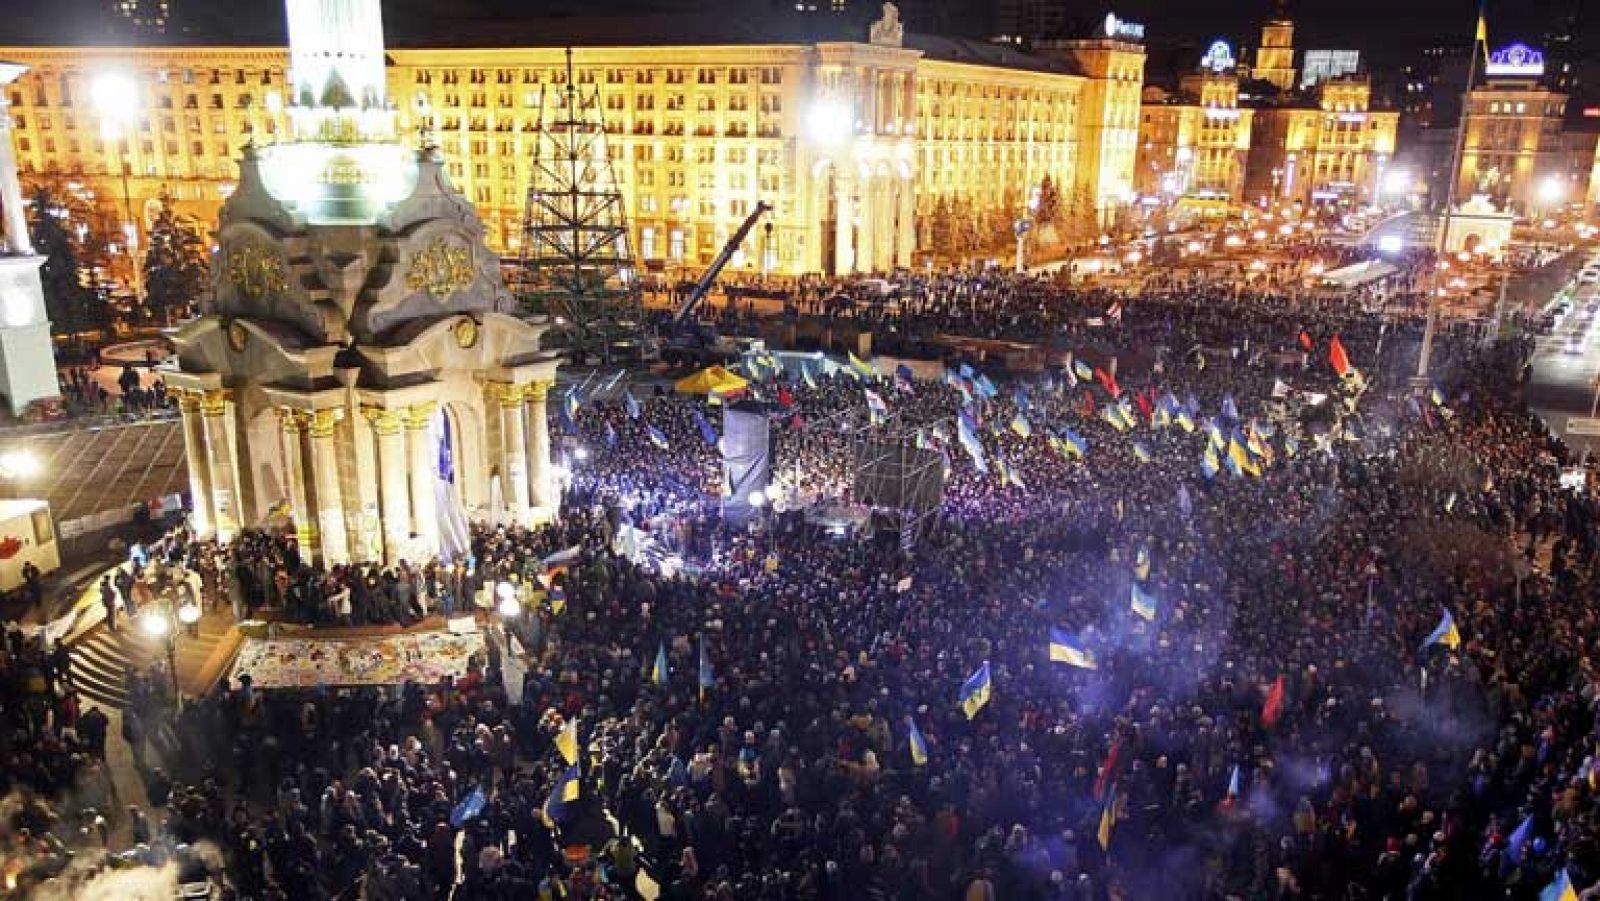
x,y
906,230
844,248
424,473
219,451
325,481
14,226
514,449
194,452
393,492
294,427
541,493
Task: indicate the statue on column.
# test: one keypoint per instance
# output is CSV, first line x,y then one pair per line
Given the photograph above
x,y
887,31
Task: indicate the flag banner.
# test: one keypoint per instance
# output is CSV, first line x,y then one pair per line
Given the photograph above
x,y
975,691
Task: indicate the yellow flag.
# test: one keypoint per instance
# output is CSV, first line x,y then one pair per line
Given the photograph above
x,y
567,742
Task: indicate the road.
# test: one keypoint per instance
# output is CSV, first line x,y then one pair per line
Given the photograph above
x,y
1566,366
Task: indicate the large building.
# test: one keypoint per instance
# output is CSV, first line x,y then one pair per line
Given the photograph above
x,y
1331,147
1274,59
1194,143
854,143
1514,150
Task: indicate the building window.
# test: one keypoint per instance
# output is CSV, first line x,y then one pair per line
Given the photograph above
x,y
647,242
675,244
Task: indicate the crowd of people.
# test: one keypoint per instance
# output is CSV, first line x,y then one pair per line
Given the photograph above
x,y
1249,555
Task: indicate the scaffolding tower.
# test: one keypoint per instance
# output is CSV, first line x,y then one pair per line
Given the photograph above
x,y
576,261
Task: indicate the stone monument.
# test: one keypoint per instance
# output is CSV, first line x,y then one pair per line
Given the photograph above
x,y
27,356
358,369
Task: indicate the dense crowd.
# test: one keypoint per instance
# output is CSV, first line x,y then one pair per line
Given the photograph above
x,y
1278,716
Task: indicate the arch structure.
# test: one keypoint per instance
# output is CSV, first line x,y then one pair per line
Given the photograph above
x,y
344,367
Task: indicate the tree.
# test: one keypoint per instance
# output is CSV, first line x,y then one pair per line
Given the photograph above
x,y
1049,202
72,308
176,271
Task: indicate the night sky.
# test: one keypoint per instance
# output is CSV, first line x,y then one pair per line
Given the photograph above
x,y
1383,29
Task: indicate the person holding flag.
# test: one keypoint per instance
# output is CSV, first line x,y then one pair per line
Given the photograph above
x,y
975,691
1445,633
658,669
1066,649
919,745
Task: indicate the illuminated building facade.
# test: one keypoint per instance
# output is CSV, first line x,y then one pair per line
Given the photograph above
x,y
1274,59
853,143
1514,150
1195,143
1333,149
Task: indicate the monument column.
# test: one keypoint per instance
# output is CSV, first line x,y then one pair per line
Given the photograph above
x,y
514,448
393,492
294,427
424,470
220,454
542,493
194,451
325,478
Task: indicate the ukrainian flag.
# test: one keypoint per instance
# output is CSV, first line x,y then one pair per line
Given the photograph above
x,y
1240,458
1108,817
658,670
1141,563
1126,414
1141,453
1066,649
1144,606
566,788
567,742
1560,890
1112,414
1436,396
807,377
919,745
862,367
1185,421
1074,442
975,691
1290,445
1209,464
1445,633
1082,370
1214,435
1021,426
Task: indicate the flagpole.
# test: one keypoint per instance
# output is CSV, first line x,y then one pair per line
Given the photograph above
x,y
1441,236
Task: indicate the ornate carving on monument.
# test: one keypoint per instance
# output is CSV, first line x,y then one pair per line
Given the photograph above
x,y
419,416
538,391
237,336
214,403
887,31
384,421
466,332
256,270
510,396
294,421
440,269
323,422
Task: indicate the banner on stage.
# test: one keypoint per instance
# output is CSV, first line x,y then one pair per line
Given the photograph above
x,y
422,657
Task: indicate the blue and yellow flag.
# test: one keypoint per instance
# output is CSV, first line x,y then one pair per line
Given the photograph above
x,y
1209,464
707,676
567,787
1021,426
1239,459
1141,453
1066,649
567,741
1082,370
861,367
658,670
1126,413
1108,817
1445,633
1144,605
807,377
1141,563
1112,414
1074,442
1214,435
656,438
975,691
1559,890
919,745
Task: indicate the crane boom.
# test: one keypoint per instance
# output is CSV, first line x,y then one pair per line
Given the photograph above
x,y
703,287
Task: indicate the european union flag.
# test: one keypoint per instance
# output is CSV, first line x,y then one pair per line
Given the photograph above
x,y
1445,633
656,438
919,745
470,807
632,403
1518,841
1144,606
975,691
706,431
1066,649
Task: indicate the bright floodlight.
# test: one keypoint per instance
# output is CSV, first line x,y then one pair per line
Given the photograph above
x,y
582,453
1552,189
758,499
1391,244
153,624
829,121
189,613
1398,181
18,464
115,98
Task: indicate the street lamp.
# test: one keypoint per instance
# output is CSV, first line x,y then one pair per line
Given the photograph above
x,y
157,624
1551,192
115,99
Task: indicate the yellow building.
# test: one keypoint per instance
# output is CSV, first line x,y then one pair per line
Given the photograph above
x,y
1194,143
851,142
1514,150
1274,62
1332,150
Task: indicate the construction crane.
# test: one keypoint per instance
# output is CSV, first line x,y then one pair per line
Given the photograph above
x,y
709,278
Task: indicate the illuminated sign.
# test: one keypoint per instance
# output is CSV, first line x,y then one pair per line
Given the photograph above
x,y
1218,58
1116,28
1516,61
